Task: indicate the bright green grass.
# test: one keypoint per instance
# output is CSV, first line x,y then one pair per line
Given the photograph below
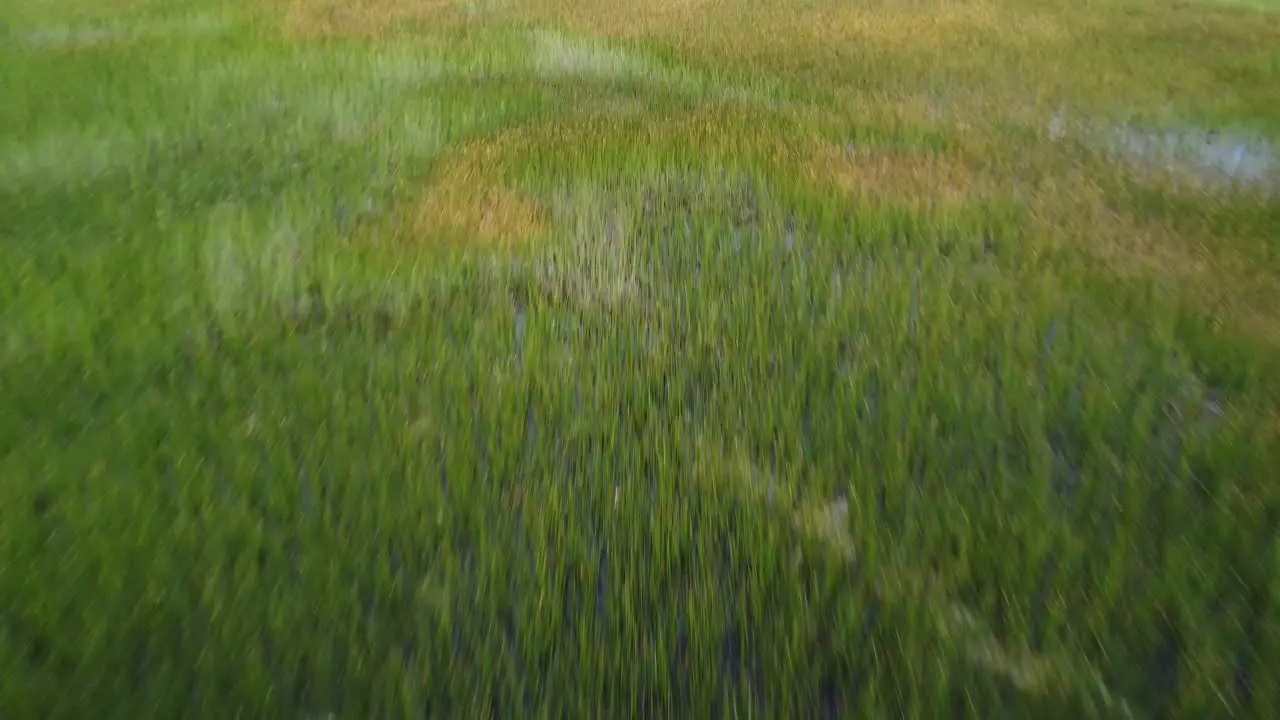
x,y
717,439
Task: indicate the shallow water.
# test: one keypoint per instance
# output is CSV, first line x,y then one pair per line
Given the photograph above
x,y
1231,157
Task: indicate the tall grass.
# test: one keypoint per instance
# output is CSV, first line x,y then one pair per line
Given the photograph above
x,y
382,359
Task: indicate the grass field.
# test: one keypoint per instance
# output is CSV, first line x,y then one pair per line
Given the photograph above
x,y
639,358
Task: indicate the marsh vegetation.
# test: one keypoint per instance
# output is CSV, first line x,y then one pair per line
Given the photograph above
x,y
639,358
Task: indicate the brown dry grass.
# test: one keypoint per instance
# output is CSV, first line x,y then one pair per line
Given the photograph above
x,y
730,26
737,24
1021,52
467,200
928,181
1203,268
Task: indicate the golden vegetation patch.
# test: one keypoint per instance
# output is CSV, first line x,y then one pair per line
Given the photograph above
x,y
728,26
732,23
919,179
1112,54
938,24
1067,208
1202,267
466,200
468,196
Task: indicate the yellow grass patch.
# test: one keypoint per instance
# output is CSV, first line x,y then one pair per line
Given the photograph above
x,y
1200,266
467,200
1070,208
727,22
919,179
731,26
934,25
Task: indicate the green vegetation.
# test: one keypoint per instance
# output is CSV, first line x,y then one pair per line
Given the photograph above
x,y
638,358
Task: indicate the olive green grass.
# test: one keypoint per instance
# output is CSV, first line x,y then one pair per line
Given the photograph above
x,y
675,358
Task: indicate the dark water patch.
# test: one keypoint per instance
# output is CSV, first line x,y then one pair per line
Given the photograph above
x,y
1164,669
519,325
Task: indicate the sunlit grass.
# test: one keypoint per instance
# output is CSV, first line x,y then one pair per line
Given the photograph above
x,y
684,358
